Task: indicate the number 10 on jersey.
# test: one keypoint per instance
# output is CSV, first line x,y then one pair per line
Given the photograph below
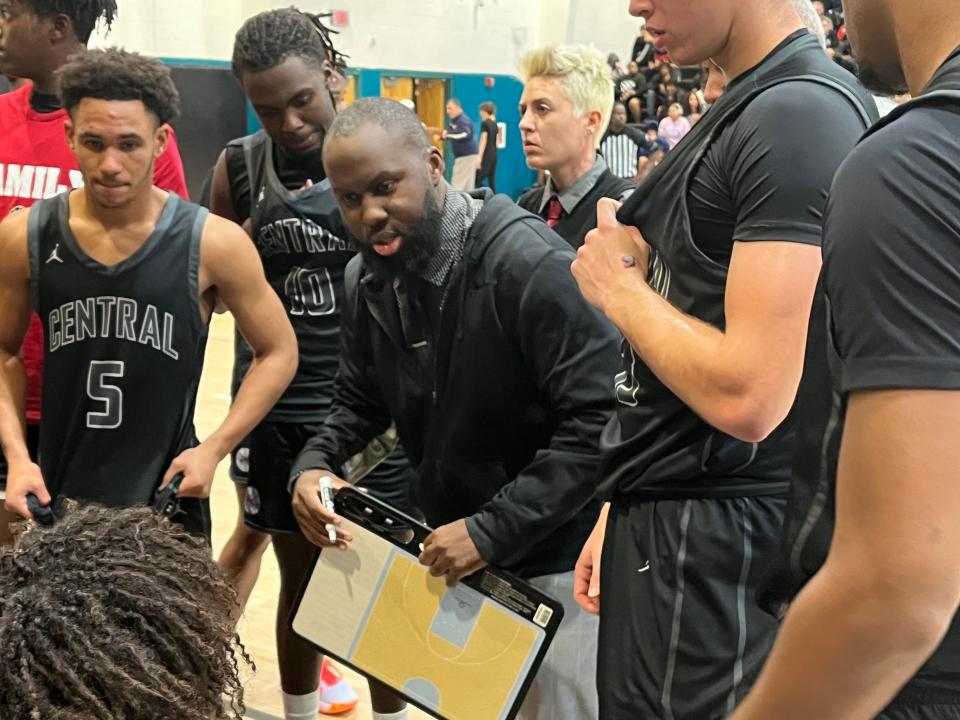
x,y
310,292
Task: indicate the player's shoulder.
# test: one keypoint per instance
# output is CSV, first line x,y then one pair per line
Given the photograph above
x,y
13,238
910,156
15,101
13,116
220,230
820,102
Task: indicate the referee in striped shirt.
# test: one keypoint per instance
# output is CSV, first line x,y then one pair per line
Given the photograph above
x,y
621,145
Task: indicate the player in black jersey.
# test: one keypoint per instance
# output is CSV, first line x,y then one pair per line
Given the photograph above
x,y
124,277
710,278
274,183
870,565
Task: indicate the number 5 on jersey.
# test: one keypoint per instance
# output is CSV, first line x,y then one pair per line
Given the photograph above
x,y
110,397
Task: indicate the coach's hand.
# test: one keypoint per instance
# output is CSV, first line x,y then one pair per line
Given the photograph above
x,y
450,551
310,513
197,465
613,258
586,573
22,479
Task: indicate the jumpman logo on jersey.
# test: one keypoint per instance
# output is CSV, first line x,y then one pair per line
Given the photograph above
x,y
263,190
55,255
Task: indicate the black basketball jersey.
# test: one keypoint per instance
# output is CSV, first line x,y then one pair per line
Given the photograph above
x,y
305,247
123,354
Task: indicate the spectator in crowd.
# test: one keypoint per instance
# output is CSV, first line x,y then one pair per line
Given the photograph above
x,y
631,89
667,74
621,145
674,126
644,51
565,108
616,67
695,106
460,134
487,157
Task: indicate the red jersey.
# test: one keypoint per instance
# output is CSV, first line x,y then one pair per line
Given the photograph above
x,y
36,163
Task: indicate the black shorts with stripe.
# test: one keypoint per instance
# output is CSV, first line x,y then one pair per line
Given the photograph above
x,y
682,636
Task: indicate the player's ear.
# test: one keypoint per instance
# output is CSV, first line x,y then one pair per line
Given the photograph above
x,y
160,140
68,131
435,164
335,80
60,29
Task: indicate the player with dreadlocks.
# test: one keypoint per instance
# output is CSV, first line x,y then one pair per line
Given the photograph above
x,y
116,614
273,183
36,38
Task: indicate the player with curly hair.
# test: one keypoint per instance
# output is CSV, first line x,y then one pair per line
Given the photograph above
x,y
116,615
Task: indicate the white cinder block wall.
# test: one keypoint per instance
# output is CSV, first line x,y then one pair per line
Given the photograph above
x,y
455,36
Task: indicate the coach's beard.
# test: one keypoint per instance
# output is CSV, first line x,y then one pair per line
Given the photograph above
x,y
418,248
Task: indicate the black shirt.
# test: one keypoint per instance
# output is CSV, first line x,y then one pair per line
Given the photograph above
x,y
766,176
657,445
889,319
490,129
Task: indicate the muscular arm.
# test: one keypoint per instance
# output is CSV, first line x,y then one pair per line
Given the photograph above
x,y
15,311
230,266
742,379
235,269
891,584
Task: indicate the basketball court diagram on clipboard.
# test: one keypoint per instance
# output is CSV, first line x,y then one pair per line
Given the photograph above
x,y
456,652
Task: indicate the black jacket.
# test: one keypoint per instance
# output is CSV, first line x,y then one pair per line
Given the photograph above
x,y
502,424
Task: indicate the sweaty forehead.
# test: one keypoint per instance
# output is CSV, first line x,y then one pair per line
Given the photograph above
x,y
368,150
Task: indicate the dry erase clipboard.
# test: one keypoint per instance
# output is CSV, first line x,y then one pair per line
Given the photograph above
x,y
464,653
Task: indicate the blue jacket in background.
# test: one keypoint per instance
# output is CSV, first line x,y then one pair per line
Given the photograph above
x,y
460,135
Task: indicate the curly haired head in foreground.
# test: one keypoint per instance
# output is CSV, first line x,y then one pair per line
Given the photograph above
x,y
116,614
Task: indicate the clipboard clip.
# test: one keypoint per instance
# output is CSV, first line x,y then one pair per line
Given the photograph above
x,y
380,518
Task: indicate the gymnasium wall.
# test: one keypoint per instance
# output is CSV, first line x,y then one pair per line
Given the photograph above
x,y
464,41
455,36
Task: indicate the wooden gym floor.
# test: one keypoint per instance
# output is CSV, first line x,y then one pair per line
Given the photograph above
x,y
263,697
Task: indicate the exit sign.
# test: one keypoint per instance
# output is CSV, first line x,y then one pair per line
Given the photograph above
x,y
340,18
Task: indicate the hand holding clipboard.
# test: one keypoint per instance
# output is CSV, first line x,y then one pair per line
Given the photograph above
x,y
375,608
